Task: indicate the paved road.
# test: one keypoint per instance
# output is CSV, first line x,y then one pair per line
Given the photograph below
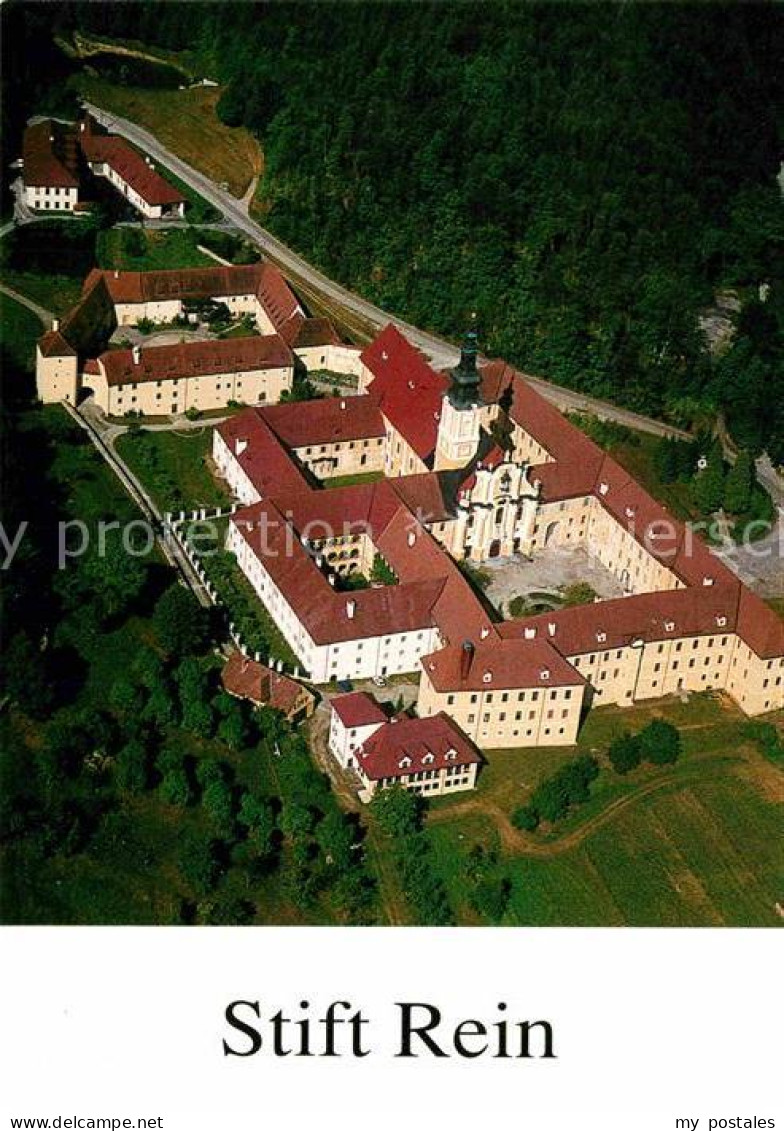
x,y
364,315
103,442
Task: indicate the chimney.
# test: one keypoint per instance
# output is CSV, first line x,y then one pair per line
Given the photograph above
x,y
240,446
137,354
466,659
55,323
411,538
484,632
351,608
331,580
343,406
551,628
82,127
117,274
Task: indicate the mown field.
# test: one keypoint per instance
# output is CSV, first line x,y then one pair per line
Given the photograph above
x,y
695,844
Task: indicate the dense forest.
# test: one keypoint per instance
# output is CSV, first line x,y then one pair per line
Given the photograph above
x,y
586,179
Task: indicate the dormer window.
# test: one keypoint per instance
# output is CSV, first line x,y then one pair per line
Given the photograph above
x,y
544,673
405,762
451,754
601,637
603,488
721,621
428,758
669,625
487,677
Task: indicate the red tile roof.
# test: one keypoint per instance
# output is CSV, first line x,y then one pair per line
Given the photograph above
x,y
357,709
499,664
197,359
759,626
307,332
129,165
196,283
408,391
409,746
50,156
326,421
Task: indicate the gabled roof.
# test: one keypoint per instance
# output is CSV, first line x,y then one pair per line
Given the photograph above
x,y
408,391
199,283
329,615
358,709
197,359
500,664
50,156
408,746
618,623
86,327
53,344
426,495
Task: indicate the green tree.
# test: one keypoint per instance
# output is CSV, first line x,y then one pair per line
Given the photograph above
x,y
258,817
398,811
218,804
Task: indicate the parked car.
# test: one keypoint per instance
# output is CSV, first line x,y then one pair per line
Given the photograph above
x,y
345,685
379,681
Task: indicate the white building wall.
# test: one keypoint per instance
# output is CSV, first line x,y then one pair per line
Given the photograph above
x,y
344,741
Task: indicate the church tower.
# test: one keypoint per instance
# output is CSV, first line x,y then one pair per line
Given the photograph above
x,y
461,409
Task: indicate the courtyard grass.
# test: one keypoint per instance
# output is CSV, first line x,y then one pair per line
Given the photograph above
x,y
173,467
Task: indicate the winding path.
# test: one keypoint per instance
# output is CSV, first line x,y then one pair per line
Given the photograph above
x,y
518,843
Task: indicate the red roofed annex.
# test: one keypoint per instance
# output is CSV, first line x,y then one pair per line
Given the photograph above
x,y
450,493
